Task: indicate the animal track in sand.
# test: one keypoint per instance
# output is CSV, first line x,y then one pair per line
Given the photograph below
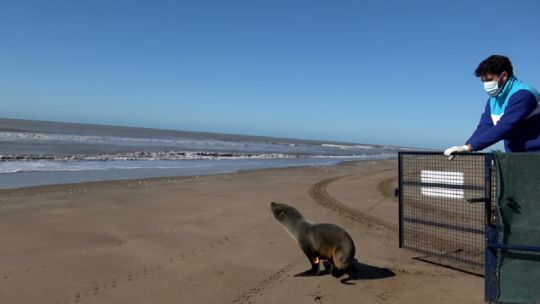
x,y
111,245
145,270
247,296
25,269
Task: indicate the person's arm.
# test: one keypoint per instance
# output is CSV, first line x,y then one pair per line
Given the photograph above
x,y
519,106
484,124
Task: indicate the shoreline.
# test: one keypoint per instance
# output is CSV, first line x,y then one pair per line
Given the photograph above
x,y
27,179
76,187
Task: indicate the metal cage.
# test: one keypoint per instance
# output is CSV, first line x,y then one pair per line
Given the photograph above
x,y
444,205
448,212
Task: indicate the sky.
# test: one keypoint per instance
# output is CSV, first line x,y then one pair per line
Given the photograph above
x,y
378,72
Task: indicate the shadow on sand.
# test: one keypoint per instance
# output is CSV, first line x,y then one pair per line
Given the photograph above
x,y
359,271
366,272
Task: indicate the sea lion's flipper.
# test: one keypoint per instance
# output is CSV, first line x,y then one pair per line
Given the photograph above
x,y
336,273
346,281
314,271
333,269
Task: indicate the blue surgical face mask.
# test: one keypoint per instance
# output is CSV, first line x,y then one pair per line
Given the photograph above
x,y
492,87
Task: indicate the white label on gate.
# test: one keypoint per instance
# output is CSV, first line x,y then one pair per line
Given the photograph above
x,y
442,178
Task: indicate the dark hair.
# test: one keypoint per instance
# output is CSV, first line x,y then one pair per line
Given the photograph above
x,y
494,64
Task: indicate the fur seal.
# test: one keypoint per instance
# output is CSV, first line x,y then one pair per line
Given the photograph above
x,y
318,241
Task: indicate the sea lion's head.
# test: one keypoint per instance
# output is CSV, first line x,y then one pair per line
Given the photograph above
x,y
283,212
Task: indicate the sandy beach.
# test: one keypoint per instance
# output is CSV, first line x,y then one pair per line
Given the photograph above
x,y
213,239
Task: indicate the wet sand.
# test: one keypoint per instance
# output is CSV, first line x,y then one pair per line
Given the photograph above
x,y
212,239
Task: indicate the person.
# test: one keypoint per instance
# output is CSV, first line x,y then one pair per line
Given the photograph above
x,y
511,112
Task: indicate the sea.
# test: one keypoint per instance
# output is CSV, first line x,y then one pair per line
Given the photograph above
x,y
35,153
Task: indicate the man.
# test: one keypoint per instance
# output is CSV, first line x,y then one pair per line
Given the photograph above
x,y
511,112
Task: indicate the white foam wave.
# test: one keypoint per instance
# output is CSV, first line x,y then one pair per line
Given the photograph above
x,y
193,160
55,166
359,156
145,155
348,147
36,166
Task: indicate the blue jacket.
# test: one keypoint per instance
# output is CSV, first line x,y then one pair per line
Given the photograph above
x,y
511,116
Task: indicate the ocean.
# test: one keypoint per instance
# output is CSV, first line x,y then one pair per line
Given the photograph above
x,y
34,153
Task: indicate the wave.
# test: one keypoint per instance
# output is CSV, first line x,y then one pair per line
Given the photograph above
x,y
129,141
89,165
180,155
145,155
73,144
156,160
359,156
348,147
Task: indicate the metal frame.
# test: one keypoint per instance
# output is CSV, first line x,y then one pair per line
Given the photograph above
x,y
413,221
491,230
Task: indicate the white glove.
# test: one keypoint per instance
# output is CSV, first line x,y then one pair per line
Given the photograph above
x,y
455,149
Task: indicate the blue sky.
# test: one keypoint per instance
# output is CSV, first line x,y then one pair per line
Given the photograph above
x,y
379,72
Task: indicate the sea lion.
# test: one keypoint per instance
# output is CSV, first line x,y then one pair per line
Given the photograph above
x,y
318,241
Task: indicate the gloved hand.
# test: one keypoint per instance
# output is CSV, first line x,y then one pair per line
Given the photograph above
x,y
456,149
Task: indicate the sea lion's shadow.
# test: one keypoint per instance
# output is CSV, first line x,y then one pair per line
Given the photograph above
x,y
359,271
